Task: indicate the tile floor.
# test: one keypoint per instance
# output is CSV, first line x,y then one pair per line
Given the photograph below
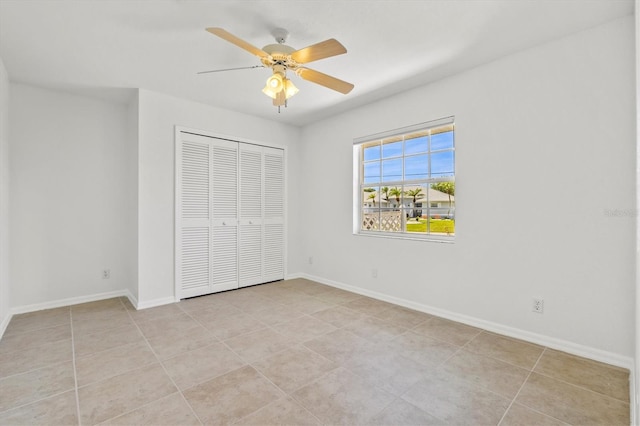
x,y
293,352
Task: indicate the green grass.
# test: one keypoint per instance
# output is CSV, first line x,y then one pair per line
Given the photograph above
x,y
443,226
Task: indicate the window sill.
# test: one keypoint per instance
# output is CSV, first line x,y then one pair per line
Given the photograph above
x,y
403,236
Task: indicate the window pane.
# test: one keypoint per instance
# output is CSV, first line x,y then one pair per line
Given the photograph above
x,y
416,145
442,141
394,196
392,170
372,152
372,172
391,149
441,211
416,167
442,164
391,220
370,209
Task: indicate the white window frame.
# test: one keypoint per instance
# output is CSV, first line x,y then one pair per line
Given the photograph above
x,y
359,186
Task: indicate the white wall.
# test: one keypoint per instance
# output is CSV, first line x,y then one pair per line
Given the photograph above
x,y
131,170
69,203
5,303
545,144
159,114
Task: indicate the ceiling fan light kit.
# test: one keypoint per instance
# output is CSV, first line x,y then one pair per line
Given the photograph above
x,y
282,58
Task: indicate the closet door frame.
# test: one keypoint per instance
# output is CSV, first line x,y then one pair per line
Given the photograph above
x,y
178,131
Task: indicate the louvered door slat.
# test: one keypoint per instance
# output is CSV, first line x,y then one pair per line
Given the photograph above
x,y
250,254
250,184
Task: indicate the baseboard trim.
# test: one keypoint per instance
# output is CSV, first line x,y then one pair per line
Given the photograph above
x,y
70,301
5,323
551,342
155,302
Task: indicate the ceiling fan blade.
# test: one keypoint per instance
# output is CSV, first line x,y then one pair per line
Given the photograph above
x,y
325,80
237,41
324,49
231,69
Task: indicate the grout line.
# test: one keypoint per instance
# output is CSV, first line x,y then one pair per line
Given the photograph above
x,y
522,386
75,373
163,369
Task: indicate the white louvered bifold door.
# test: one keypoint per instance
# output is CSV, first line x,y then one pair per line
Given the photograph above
x,y
273,235
224,195
193,217
230,229
250,219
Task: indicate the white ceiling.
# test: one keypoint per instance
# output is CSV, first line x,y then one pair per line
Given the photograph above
x,y
102,47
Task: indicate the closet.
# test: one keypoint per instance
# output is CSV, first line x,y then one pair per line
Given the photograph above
x,y
229,214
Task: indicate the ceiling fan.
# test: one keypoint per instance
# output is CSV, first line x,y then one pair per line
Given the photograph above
x,y
282,58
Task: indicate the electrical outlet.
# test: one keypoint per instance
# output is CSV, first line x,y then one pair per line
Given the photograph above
x,y
106,274
538,306
310,260
374,273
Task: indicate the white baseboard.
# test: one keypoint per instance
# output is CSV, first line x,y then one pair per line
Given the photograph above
x,y
551,342
70,301
5,323
155,302
62,302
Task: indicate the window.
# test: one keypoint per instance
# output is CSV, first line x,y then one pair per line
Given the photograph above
x,y
406,182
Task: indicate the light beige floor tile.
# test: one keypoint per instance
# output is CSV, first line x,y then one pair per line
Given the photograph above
x,y
98,306
386,369
21,361
175,325
112,362
341,398
304,328
307,304
33,339
255,306
374,329
199,303
447,331
158,312
232,396
86,344
335,296
294,367
513,351
338,346
35,385
572,404
31,321
199,365
259,344
456,401
338,316
118,395
425,350
57,410
171,410
496,376
400,413
214,315
403,317
232,326
168,345
88,324
284,411
310,287
519,415
593,375
368,305
277,314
